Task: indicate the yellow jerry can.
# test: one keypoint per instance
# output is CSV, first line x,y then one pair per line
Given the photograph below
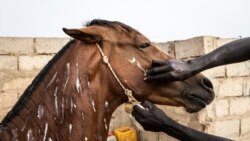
x,y
125,134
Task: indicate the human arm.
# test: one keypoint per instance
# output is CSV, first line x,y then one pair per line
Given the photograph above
x,y
154,119
173,70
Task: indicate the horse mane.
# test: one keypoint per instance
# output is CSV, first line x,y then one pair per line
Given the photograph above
x,y
28,92
110,24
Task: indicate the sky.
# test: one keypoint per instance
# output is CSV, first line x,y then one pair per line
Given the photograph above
x,y
159,20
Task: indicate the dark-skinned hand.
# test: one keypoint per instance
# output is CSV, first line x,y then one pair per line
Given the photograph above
x,y
169,70
151,118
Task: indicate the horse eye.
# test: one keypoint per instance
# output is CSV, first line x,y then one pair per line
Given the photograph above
x,y
145,45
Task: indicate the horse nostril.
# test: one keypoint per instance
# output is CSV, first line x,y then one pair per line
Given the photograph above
x,y
207,83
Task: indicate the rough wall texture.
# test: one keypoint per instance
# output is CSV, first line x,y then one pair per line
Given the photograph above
x,y
229,115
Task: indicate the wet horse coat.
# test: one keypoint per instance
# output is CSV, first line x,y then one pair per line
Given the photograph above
x,y
74,96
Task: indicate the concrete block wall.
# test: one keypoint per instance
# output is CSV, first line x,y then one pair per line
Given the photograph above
x,y
229,115
20,61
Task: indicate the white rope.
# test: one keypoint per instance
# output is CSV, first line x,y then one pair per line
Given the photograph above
x,y
126,91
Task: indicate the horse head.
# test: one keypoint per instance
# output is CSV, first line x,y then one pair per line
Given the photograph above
x,y
130,53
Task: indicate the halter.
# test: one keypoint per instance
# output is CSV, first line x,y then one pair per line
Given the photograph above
x,y
127,92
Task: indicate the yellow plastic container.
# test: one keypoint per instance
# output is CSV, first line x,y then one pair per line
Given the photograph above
x,y
125,134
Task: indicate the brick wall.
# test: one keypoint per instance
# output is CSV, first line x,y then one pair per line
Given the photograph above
x,y
229,115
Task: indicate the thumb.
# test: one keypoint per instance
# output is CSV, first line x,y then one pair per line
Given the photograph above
x,y
148,104
137,110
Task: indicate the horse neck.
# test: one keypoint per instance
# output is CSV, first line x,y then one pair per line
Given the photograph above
x,y
70,103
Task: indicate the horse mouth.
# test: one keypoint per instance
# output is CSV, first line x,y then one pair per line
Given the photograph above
x,y
195,103
203,102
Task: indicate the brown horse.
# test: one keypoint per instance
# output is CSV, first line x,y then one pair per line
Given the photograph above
x,y
74,96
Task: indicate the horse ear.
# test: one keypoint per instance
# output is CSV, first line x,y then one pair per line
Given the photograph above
x,y
83,35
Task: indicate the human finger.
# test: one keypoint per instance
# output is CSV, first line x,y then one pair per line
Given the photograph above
x,y
139,110
158,70
156,63
148,104
163,77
